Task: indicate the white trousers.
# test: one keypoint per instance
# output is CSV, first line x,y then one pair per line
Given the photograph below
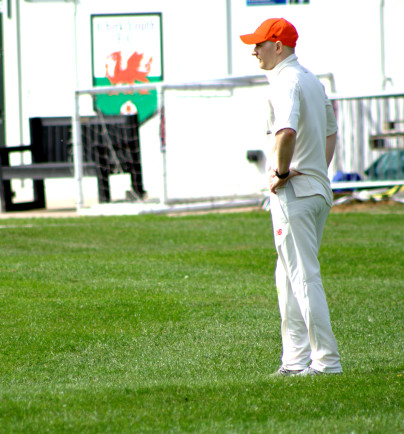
x,y
307,337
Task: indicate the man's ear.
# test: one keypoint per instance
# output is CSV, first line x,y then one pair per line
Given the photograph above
x,y
279,47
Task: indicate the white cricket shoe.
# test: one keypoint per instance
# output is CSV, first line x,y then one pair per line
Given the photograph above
x,y
310,371
284,372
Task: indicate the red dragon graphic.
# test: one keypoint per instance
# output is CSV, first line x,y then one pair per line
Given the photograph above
x,y
132,73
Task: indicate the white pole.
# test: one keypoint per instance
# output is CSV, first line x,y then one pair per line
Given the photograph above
x,y
229,38
382,52
77,153
162,107
19,75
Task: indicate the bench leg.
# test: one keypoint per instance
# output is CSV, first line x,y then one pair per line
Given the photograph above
x,y
137,182
101,160
104,194
39,194
136,170
7,195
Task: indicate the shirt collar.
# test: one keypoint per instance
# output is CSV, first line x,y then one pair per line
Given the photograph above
x,y
273,73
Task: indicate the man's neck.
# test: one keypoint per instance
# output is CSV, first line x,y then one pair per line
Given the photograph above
x,y
274,72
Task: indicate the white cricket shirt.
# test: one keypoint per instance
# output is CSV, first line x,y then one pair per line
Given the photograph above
x,y
297,100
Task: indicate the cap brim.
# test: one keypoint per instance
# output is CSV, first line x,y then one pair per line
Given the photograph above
x,y
252,38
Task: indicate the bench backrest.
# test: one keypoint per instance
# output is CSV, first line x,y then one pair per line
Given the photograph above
x,y
112,136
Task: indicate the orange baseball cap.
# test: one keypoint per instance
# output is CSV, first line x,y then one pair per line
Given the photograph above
x,y
274,29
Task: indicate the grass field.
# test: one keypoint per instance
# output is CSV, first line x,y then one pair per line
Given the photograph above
x,y
171,324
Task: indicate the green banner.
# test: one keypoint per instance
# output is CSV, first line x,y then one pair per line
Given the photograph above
x,y
127,49
144,103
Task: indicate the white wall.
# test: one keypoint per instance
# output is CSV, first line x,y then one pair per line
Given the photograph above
x,y
338,36
341,37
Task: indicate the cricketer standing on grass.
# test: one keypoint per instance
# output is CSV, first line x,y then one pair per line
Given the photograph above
x,y
303,129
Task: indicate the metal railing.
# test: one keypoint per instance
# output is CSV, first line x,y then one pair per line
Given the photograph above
x,y
370,137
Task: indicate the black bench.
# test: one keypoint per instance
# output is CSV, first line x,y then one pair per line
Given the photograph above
x,y
110,145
